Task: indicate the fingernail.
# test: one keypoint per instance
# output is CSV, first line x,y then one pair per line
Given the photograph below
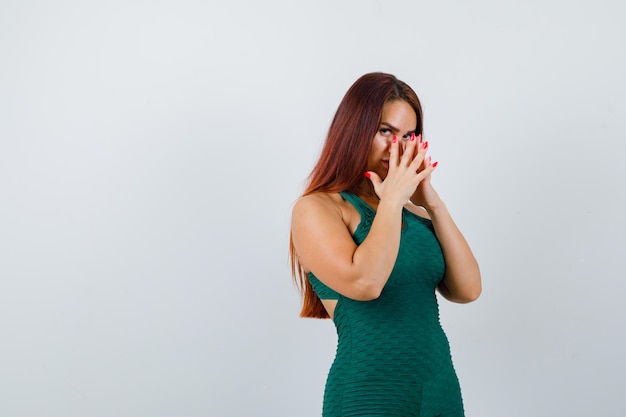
x,y
367,174
412,135
425,145
395,139
435,164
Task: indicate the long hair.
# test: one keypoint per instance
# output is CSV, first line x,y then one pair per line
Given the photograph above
x,y
343,159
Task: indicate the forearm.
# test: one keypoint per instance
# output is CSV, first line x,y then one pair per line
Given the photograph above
x,y
462,282
376,256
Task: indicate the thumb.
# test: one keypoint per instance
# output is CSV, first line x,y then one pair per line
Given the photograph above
x,y
376,181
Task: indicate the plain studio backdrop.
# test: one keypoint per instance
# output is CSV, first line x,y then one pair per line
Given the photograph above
x,y
151,152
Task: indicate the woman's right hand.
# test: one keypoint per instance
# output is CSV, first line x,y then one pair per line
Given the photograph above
x,y
402,177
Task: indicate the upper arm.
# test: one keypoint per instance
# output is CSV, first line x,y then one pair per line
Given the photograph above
x,y
324,245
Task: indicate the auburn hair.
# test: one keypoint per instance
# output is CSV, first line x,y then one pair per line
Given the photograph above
x,y
343,159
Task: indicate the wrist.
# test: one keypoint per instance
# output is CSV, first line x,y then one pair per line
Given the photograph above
x,y
436,209
435,205
394,204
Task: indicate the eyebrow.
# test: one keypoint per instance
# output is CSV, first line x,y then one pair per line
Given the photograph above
x,y
395,129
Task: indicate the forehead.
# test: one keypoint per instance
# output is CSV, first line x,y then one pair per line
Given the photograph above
x,y
399,113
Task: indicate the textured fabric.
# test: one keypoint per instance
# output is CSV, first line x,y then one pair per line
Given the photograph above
x,y
322,291
393,358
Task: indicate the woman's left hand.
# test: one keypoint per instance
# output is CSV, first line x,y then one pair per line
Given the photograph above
x,y
425,194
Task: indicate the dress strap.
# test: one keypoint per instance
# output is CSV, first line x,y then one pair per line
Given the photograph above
x,y
365,211
361,206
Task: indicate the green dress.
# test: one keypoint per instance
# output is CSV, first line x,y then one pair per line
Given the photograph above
x,y
393,358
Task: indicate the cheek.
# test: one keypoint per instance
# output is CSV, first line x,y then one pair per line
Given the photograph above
x,y
380,143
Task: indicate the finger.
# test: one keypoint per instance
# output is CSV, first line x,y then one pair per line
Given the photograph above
x,y
376,181
394,152
419,139
418,162
430,167
409,151
431,163
406,140
417,148
401,147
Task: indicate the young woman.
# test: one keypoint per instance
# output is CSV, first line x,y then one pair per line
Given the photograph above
x,y
370,242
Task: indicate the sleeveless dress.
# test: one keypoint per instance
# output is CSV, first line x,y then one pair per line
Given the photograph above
x,y
393,358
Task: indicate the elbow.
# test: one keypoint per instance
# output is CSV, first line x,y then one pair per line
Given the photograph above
x,y
463,295
476,290
373,294
468,286
368,290
470,295
369,293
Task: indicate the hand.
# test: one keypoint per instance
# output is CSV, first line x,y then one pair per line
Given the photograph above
x,y
425,195
404,174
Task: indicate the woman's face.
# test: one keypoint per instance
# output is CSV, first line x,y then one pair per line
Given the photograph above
x,y
398,119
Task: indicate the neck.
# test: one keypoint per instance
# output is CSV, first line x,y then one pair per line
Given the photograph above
x,y
366,191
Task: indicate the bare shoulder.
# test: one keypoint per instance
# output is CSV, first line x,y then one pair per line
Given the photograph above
x,y
315,210
318,229
325,202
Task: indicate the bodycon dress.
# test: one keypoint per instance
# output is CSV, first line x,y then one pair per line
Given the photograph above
x,y
393,358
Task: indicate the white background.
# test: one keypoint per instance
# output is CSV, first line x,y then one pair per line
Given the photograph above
x,y
151,151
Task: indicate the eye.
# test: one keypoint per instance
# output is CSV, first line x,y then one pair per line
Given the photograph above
x,y
385,131
407,136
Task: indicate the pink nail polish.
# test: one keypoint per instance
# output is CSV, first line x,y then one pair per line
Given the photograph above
x,y
395,139
435,164
425,145
367,175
